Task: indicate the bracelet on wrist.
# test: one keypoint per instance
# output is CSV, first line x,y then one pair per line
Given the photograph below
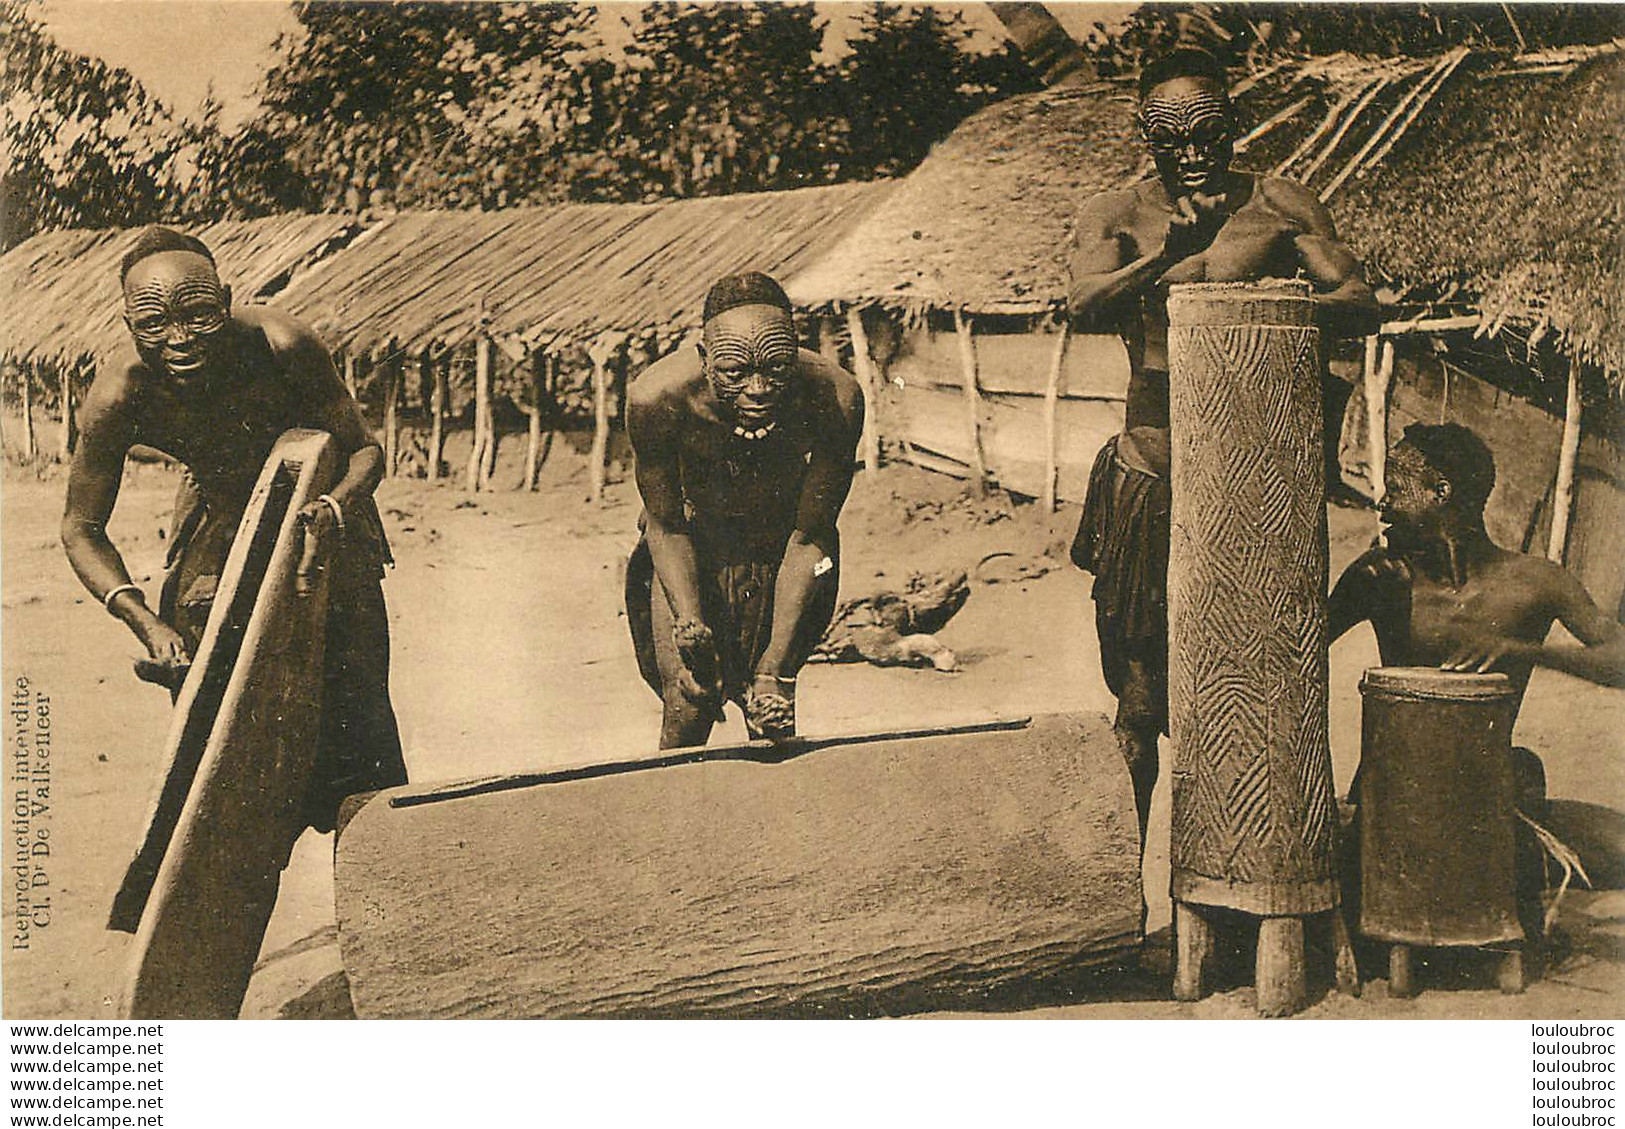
x,y
114,593
332,503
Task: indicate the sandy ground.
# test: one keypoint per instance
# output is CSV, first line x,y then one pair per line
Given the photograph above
x,y
511,652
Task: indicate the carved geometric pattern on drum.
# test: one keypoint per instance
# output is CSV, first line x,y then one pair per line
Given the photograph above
x,y
1247,669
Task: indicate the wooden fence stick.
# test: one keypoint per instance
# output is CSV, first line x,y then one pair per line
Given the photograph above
x,y
1052,398
973,406
600,353
1376,412
1563,496
65,435
30,441
482,398
533,435
393,378
864,363
437,413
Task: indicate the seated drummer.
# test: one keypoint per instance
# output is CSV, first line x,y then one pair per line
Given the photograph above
x,y
214,388
745,446
1439,593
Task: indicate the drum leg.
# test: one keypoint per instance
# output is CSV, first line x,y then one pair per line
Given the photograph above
x,y
1348,971
1193,952
1509,972
1280,973
1401,976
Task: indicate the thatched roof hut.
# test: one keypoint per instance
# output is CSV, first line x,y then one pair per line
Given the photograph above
x,y
1513,196
547,276
554,276
1489,181
60,289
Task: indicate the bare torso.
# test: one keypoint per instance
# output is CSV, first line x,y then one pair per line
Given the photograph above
x,y
1255,241
742,495
223,433
1423,621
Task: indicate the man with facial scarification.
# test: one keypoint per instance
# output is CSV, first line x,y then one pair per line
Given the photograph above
x,y
1438,592
214,388
1197,220
745,446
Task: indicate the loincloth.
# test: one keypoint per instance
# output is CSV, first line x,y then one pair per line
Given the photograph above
x,y
360,747
1123,540
736,601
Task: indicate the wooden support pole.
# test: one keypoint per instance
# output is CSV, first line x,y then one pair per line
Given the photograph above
x,y
1280,972
1430,325
68,434
1376,375
865,366
1193,942
392,415
437,413
1052,399
1346,969
828,347
30,441
1568,455
600,353
973,401
1401,972
488,457
533,437
482,399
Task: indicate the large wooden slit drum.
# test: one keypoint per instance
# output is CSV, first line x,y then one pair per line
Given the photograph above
x,y
1437,808
1253,809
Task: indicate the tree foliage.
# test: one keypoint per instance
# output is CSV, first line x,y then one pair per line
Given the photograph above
x,y
414,105
404,105
909,79
723,98
84,144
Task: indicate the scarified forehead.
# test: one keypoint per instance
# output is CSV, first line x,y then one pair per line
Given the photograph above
x,y
171,275
1182,103
751,332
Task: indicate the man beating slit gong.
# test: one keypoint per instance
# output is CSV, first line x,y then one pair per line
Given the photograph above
x,y
744,447
1197,220
215,388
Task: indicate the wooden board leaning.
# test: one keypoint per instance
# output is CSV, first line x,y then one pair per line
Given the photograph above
x,y
200,890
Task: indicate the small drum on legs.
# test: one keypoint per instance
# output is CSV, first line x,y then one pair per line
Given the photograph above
x,y
1438,817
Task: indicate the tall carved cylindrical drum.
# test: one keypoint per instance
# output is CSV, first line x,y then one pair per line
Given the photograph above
x,y
1253,810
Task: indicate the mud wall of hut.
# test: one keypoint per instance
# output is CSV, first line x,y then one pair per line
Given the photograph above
x,y
923,414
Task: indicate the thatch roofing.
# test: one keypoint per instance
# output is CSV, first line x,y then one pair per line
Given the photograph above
x,y
1517,194
526,276
567,273
60,289
1502,175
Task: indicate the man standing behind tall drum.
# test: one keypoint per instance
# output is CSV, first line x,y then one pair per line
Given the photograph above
x,y
1197,220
